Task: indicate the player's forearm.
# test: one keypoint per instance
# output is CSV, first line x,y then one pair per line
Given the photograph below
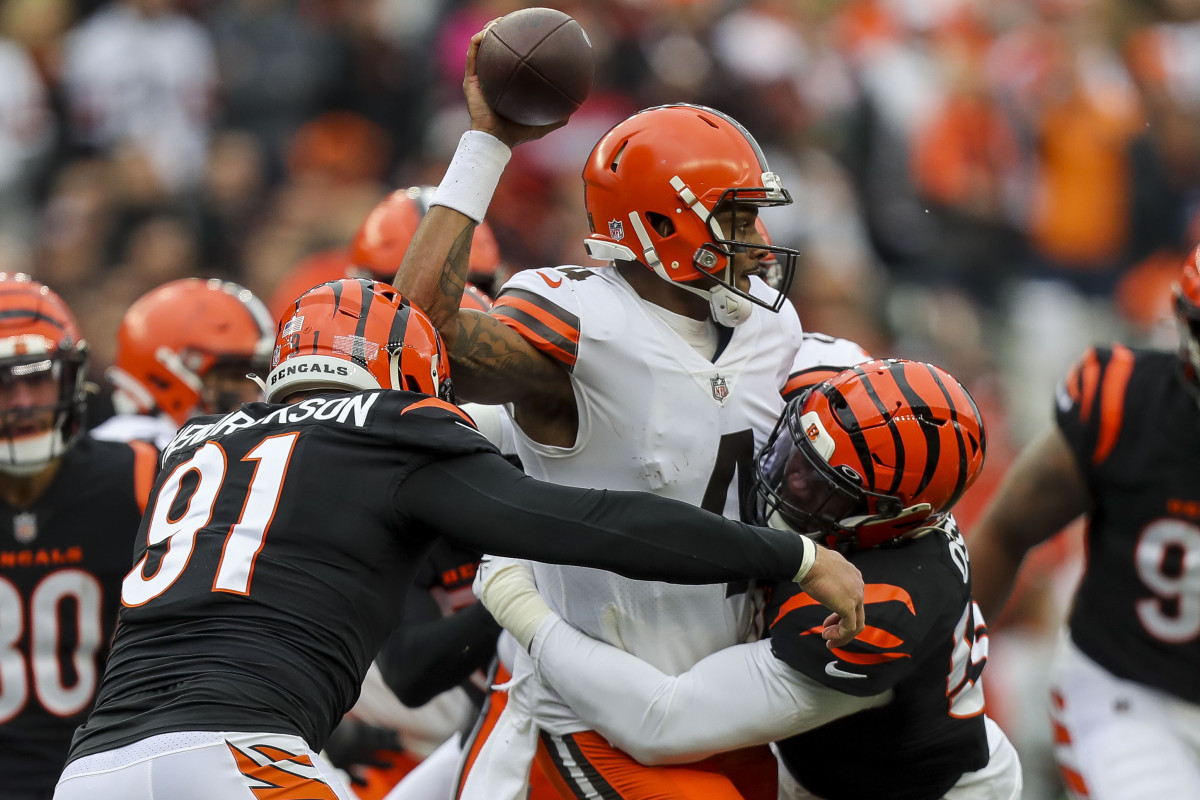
x,y
486,504
434,270
737,697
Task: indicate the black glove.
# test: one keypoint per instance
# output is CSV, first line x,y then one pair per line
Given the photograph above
x,y
354,745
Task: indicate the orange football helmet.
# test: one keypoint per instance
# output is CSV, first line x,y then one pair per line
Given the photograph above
x,y
357,334
1187,317
873,455
39,340
174,335
379,244
679,163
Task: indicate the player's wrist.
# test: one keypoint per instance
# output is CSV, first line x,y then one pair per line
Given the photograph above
x,y
810,558
473,174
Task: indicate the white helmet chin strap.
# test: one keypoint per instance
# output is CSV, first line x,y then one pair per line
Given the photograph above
x,y
31,454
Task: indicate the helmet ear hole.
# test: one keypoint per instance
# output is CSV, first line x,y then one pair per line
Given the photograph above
x,y
661,224
410,383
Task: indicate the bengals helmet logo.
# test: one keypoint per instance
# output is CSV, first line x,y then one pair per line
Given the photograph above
x,y
812,433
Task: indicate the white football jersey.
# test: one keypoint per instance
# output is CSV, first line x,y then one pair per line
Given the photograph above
x,y
158,431
655,416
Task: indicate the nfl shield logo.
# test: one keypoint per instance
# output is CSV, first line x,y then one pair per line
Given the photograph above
x,y
616,229
719,389
25,527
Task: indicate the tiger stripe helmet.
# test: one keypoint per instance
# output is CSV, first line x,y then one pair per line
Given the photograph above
x,y
381,241
357,334
873,455
39,335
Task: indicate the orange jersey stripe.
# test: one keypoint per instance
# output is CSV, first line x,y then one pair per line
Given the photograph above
x,y
434,402
867,659
541,343
872,593
145,463
1061,734
542,315
1089,380
879,637
1112,401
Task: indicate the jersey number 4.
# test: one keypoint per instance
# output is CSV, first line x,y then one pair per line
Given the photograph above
x,y
244,540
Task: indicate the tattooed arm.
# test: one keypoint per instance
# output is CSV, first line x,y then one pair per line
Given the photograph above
x,y
491,363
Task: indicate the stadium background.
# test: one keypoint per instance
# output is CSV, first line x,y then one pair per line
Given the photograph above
x,y
991,185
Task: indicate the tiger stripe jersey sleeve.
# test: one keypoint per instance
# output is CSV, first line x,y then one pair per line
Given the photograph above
x,y
1091,402
818,359
912,604
542,307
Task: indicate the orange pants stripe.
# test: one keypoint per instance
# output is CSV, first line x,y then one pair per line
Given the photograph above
x,y
540,787
584,766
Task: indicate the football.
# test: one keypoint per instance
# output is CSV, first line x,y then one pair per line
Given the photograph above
x,y
535,66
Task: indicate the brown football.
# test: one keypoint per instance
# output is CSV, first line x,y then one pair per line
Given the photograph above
x,y
535,66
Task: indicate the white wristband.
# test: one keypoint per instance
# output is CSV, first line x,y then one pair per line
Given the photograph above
x,y
810,558
471,179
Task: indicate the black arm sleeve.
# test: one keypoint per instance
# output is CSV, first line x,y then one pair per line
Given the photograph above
x,y
483,502
420,660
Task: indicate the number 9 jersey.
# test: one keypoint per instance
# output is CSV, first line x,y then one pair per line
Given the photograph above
x,y
1135,433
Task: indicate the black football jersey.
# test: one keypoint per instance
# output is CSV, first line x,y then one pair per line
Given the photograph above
x,y
926,642
221,627
1134,429
61,564
280,541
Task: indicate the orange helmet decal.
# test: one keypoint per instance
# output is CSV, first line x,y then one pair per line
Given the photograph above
x,y
873,454
357,334
174,334
379,244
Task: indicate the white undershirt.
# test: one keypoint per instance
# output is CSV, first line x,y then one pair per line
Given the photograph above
x,y
701,334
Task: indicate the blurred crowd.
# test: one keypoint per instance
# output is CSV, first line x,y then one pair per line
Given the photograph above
x,y
990,185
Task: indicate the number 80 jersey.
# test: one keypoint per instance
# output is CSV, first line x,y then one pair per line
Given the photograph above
x,y
1134,429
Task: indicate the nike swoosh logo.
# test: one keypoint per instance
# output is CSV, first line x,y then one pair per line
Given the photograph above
x,y
550,283
832,670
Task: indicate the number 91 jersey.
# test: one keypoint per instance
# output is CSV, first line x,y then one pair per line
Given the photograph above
x,y
1134,429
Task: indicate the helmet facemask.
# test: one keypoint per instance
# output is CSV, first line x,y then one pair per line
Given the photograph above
x,y
34,435
796,488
